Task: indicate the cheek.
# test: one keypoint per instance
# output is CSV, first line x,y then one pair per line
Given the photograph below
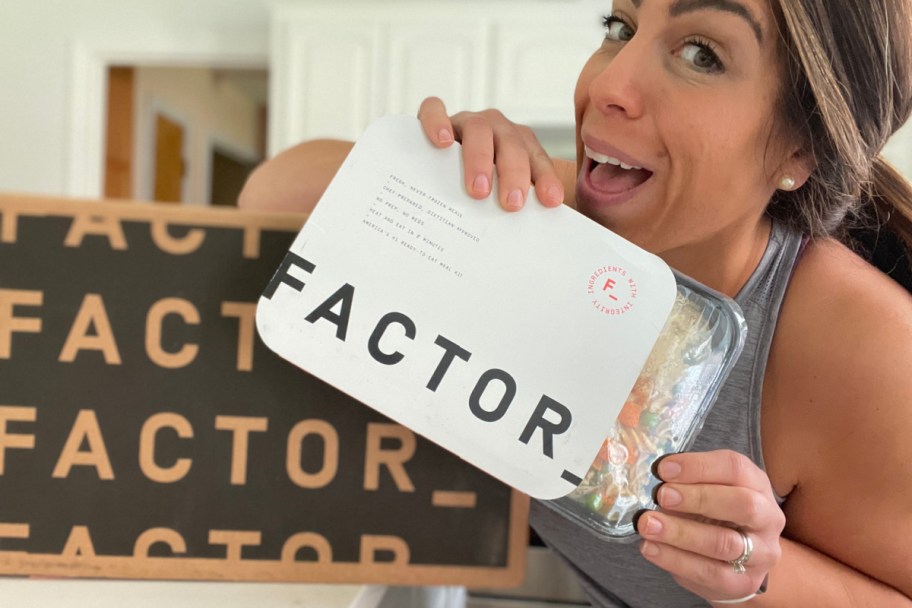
x,y
581,92
720,145
716,171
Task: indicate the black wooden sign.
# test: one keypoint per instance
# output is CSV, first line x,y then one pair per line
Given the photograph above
x,y
146,432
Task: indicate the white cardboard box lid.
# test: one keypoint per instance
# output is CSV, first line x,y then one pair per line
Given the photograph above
x,y
510,339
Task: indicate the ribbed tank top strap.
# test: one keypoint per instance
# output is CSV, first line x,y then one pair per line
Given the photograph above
x,y
734,421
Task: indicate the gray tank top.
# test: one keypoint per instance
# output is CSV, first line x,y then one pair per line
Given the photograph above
x,y
615,574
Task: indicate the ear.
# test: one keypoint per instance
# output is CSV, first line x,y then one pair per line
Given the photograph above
x,y
794,170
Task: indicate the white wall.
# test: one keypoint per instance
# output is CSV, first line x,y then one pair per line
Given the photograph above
x,y
213,112
899,149
43,43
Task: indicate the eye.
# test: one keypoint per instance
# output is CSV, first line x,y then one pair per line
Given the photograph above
x,y
617,29
701,55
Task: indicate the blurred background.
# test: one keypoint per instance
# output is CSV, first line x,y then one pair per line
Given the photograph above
x,y
173,101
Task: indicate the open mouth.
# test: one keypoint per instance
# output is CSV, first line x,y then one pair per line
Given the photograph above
x,y
612,176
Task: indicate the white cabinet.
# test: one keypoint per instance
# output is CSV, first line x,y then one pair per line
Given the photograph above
x,y
323,78
538,62
336,66
430,56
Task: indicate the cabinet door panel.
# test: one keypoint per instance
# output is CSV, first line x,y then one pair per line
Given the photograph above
x,y
335,66
323,81
538,64
451,64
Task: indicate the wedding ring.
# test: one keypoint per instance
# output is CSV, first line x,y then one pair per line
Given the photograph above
x,y
739,563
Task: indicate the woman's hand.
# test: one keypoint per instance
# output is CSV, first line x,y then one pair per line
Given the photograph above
x,y
705,499
488,136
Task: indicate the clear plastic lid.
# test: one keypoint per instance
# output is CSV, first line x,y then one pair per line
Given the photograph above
x,y
695,352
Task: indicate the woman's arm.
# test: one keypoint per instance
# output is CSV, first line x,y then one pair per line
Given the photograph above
x,y
810,579
837,432
294,180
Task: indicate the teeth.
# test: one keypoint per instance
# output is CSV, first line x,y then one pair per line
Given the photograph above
x,y
604,158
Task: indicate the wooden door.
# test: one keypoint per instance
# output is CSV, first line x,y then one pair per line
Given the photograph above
x,y
169,160
119,134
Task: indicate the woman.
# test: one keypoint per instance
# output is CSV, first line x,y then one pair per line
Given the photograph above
x,y
738,140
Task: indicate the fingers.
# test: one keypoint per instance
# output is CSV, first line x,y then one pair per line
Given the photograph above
x,y
742,506
699,555
514,172
488,137
724,467
707,540
549,188
435,122
520,162
689,536
477,136
707,577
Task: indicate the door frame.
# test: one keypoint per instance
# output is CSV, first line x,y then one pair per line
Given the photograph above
x,y
88,97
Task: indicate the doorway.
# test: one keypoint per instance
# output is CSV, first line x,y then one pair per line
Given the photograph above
x,y
188,135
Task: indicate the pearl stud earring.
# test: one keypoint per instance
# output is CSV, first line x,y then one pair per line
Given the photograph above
x,y
787,183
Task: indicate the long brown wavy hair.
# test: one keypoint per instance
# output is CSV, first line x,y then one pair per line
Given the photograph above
x,y
847,89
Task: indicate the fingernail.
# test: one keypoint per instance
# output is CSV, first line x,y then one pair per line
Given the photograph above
x,y
481,185
515,200
669,470
444,136
655,493
669,497
554,194
653,526
654,468
637,516
650,549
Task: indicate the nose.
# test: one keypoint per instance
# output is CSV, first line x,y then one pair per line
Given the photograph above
x,y
620,85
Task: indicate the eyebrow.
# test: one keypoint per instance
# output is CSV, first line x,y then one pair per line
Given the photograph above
x,y
729,6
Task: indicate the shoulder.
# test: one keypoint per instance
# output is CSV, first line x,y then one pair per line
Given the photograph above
x,y
842,355
846,322
838,407
836,299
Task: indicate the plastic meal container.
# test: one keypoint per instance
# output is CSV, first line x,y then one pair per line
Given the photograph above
x,y
695,352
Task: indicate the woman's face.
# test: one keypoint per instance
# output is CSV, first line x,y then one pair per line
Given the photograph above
x,y
686,90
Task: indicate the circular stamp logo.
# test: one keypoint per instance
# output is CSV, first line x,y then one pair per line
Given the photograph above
x,y
611,290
